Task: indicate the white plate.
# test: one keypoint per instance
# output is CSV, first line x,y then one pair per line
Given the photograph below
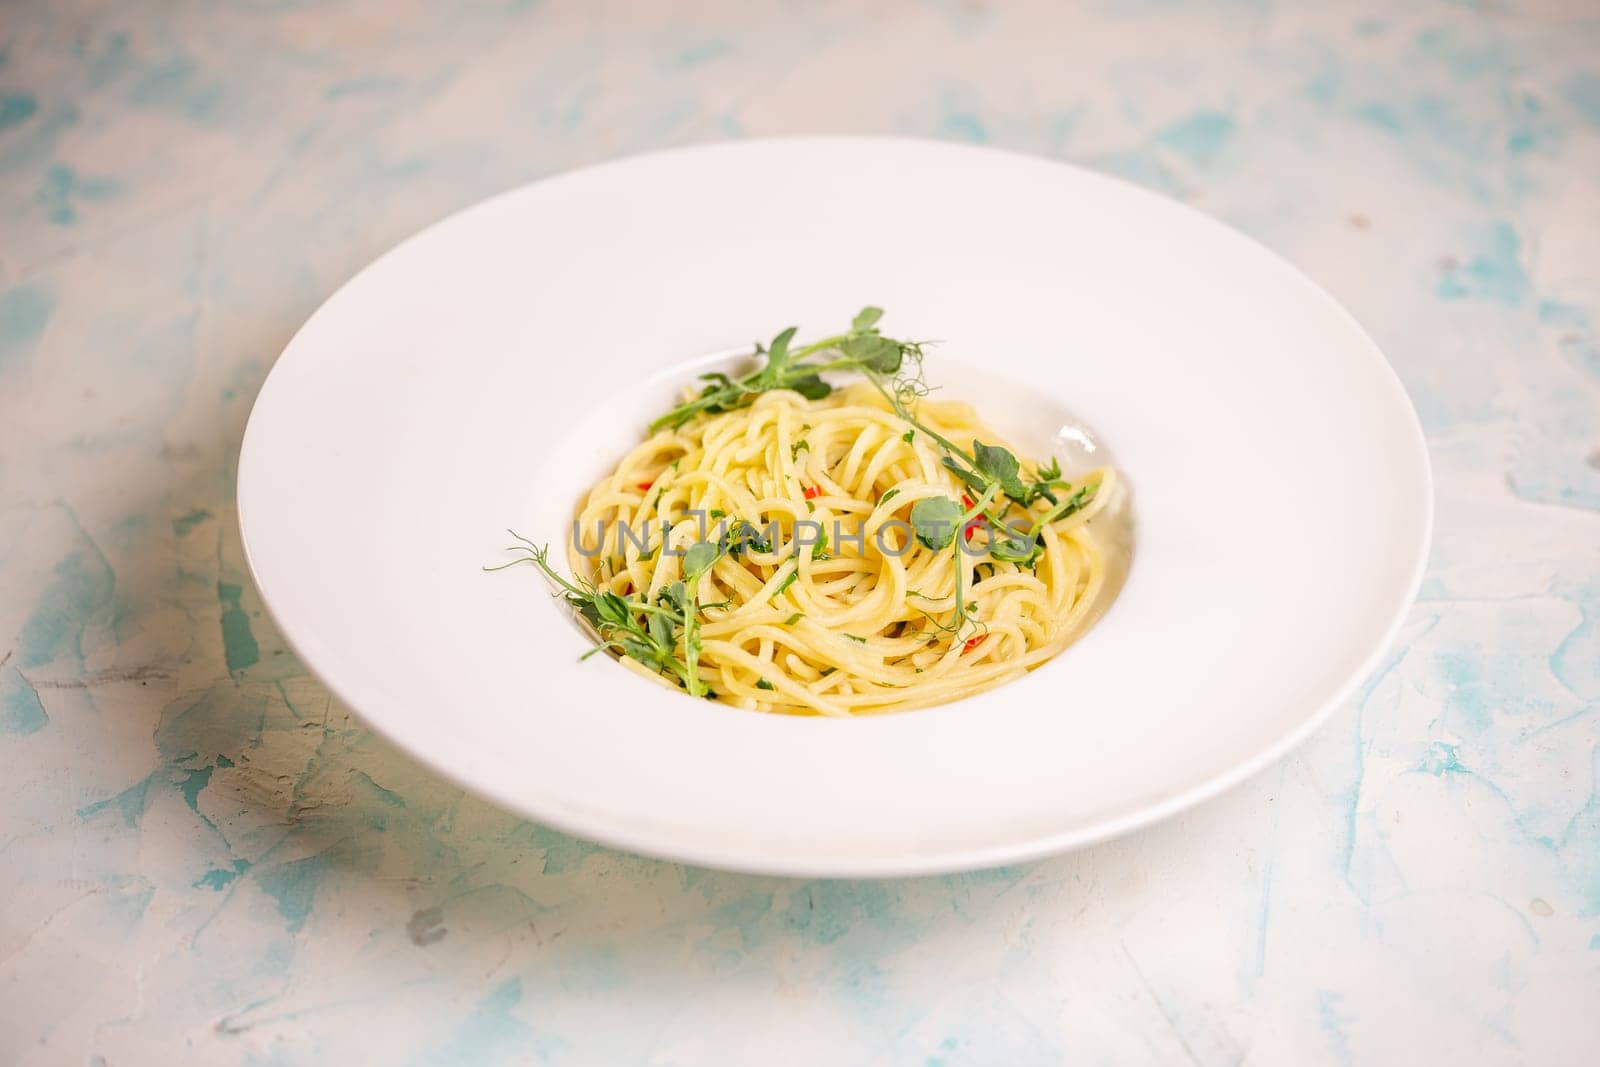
x,y
479,375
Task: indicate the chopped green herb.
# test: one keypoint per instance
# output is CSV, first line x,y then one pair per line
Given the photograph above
x,y
792,619
743,536
786,583
888,496
908,435
764,684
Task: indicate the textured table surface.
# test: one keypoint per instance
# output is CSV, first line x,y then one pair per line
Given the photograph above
x,y
204,859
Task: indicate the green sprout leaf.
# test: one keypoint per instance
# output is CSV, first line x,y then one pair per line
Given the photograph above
x,y
863,349
778,353
1002,467
811,387
674,595
874,352
971,478
699,559
935,519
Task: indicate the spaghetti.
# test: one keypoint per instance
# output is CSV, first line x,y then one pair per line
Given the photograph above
x,y
807,554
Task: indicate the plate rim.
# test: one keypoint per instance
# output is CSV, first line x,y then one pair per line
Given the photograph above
x,y
643,838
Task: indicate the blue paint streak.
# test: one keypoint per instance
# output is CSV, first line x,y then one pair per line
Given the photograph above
x,y
110,62
21,711
1200,138
378,818
294,887
184,524
562,853
239,644
823,912
175,86
1467,698
1583,94
191,785
1440,760
63,188
1324,87
1381,116
1495,273
24,313
1557,313
960,124
131,802
1580,849
15,109
218,878
492,1033
1334,1023
83,586
1576,660
1465,59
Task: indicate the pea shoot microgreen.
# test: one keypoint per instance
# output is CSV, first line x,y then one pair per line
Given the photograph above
x,y
665,634
650,633
861,348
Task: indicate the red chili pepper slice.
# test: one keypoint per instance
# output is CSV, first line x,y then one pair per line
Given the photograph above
x,y
644,487
812,492
972,643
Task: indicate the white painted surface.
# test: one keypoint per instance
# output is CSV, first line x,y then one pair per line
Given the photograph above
x,y
207,861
